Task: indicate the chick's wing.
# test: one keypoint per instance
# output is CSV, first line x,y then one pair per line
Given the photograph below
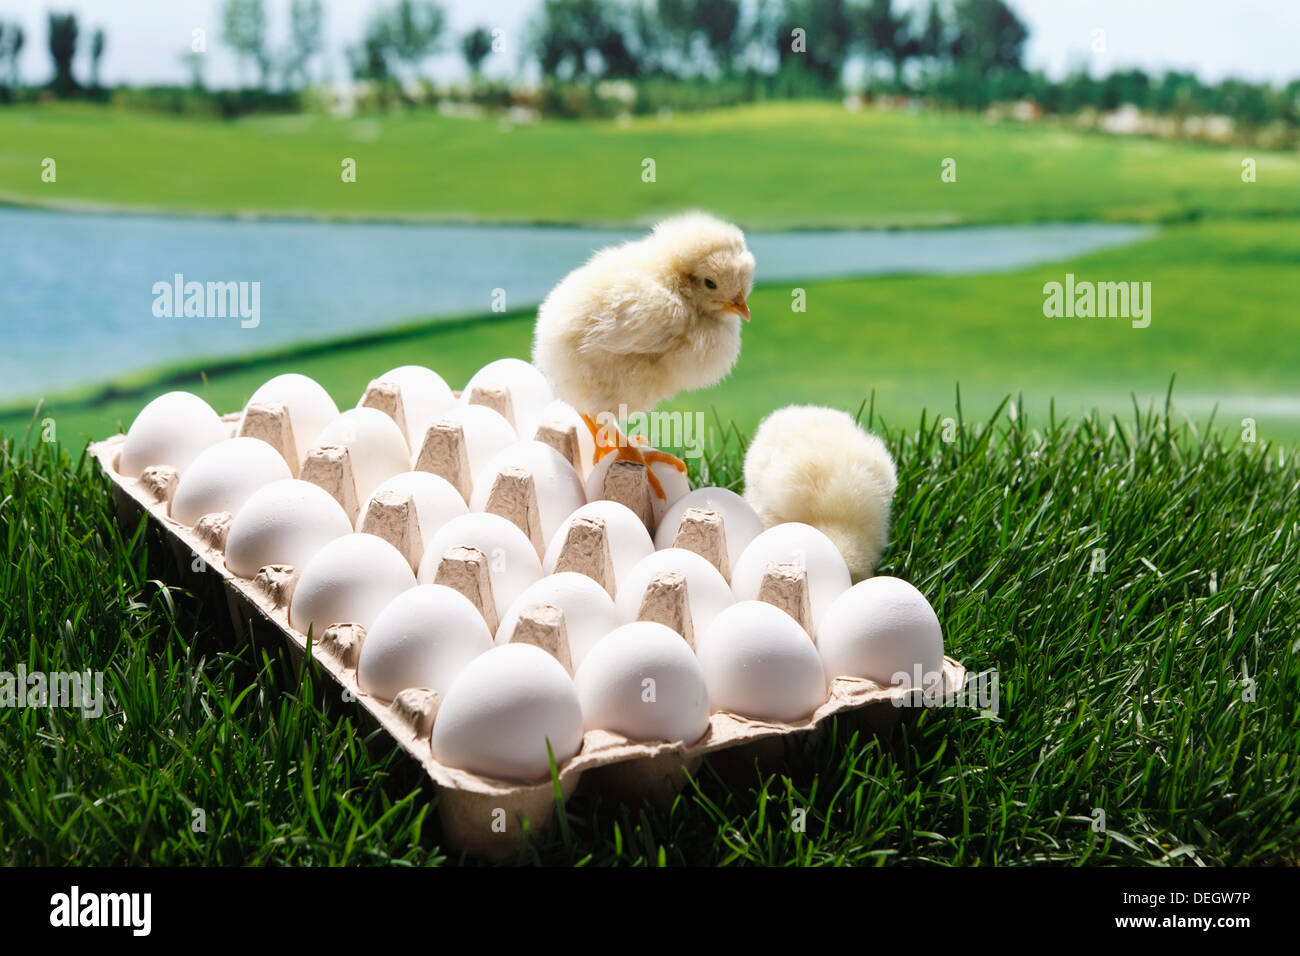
x,y
637,316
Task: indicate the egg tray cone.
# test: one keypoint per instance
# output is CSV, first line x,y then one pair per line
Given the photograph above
x,y
481,816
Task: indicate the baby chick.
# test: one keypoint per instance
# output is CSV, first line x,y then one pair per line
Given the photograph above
x,y
819,466
644,320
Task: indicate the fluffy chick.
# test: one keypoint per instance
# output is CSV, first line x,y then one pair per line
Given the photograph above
x,y
818,466
641,321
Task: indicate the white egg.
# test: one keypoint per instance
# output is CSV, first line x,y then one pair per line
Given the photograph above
x,y
758,662
643,682
424,397
285,522
564,414
793,543
376,447
309,406
588,611
530,392
629,541
512,560
501,712
424,637
885,630
223,477
674,483
486,434
739,521
348,581
436,501
171,430
706,588
559,489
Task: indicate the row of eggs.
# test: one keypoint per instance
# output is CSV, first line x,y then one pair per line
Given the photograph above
x,y
177,428
502,700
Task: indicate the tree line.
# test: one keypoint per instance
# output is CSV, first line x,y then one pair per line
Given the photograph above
x,y
673,53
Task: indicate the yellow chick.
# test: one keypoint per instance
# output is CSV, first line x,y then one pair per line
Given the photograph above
x,y
820,467
644,320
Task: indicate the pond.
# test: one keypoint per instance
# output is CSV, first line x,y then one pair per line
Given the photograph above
x,y
84,296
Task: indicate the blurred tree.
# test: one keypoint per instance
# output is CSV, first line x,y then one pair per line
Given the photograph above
x,y
828,35
676,20
16,40
474,47
306,39
648,40
96,54
759,34
193,61
988,35
1043,91
1247,103
370,60
1129,86
63,47
718,22
415,27
932,40
582,39
1180,94
616,57
1078,91
11,44
888,35
243,29
553,38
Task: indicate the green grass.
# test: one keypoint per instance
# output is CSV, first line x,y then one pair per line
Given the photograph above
x,y
1227,332
752,164
1122,689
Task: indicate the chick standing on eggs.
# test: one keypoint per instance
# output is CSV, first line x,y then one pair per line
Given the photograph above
x,y
644,320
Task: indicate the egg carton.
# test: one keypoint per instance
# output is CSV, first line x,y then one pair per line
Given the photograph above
x,y
483,816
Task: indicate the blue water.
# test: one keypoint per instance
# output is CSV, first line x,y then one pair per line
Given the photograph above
x,y
77,300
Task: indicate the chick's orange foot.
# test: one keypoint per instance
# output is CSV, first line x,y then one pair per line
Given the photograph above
x,y
629,449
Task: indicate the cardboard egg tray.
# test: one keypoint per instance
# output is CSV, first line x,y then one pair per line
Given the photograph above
x,y
482,816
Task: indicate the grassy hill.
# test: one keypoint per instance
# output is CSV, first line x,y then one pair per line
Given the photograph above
x,y
772,165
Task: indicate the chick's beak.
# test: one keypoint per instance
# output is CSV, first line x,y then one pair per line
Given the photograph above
x,y
739,306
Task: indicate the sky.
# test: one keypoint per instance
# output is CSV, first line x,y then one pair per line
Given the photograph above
x,y
1252,39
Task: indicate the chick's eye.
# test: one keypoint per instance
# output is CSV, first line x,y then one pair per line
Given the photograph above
x,y
710,283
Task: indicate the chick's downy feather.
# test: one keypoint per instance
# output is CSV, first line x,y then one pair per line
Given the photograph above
x,y
636,324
